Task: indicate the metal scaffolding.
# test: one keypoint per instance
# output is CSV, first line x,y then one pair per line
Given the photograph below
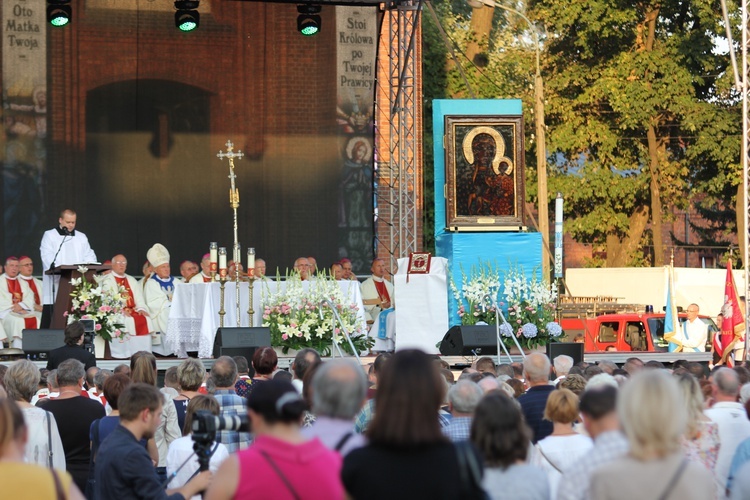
x,y
398,139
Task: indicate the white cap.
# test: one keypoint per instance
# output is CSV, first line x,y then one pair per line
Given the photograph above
x,y
158,255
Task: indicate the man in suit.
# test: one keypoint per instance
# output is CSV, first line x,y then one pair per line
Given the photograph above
x,y
73,348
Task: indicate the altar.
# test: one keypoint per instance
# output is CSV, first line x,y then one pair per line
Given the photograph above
x,y
194,315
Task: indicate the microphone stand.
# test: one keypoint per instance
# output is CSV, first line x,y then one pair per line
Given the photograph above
x,y
498,315
343,329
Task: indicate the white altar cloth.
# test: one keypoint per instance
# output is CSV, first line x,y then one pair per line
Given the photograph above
x,y
421,306
194,316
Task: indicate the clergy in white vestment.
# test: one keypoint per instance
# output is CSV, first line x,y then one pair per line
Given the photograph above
x,y
205,275
35,285
159,288
377,292
14,297
62,246
136,317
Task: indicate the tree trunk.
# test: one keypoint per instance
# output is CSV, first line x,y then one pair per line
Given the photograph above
x,y
741,231
481,26
656,222
619,251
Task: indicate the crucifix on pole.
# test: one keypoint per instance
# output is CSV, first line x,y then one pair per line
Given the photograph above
x,y
234,202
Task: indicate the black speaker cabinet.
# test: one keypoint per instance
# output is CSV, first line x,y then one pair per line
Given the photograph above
x,y
572,349
468,340
37,343
241,342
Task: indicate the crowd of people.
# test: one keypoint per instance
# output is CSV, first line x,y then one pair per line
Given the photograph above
x,y
407,426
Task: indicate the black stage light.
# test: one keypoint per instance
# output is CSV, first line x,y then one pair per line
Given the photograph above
x,y
187,17
308,21
59,12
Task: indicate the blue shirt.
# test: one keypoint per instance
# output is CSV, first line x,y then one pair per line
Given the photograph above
x,y
532,403
124,470
232,404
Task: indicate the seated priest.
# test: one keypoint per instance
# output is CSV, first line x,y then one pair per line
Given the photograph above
x,y
377,292
28,279
260,269
16,304
188,269
205,275
232,269
302,267
159,287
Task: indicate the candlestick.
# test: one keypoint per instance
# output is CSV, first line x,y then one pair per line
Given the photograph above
x,y
251,262
223,262
213,252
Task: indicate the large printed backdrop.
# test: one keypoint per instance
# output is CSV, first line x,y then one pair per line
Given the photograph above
x,y
126,131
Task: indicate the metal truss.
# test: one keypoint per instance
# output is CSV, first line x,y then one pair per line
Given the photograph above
x,y
398,139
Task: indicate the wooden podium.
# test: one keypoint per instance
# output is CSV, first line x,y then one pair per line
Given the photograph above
x,y
63,301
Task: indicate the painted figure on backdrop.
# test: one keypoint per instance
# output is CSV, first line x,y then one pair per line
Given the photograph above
x,y
355,188
487,187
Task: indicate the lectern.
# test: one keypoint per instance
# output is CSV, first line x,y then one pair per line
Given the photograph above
x,y
63,302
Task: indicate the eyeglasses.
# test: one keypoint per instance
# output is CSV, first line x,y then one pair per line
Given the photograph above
x,y
120,262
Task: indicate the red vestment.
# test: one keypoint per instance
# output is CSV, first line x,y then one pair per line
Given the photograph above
x,y
141,325
14,287
382,290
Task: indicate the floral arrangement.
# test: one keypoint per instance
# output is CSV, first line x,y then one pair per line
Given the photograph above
x,y
90,301
297,318
529,305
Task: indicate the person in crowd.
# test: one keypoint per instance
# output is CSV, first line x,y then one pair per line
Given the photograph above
x,y
555,453
16,304
517,386
302,361
171,383
364,417
63,245
607,367
190,375
188,269
281,463
561,366
73,348
655,466
377,291
339,389
19,478
224,375
159,288
53,390
633,366
260,269
124,468
143,370
406,444
44,446
90,386
122,368
74,415
205,275
265,361
302,268
501,436
243,376
313,265
135,316
282,375
536,371
337,272
43,387
693,335
701,441
599,412
236,267
730,416
486,364
182,462
463,398
573,382
308,417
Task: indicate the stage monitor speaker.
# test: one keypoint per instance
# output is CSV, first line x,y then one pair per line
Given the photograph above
x,y
241,342
572,349
469,340
37,343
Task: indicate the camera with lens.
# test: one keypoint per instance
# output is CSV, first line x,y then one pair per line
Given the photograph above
x,y
89,330
205,427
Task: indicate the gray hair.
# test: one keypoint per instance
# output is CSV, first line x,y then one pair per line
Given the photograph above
x,y
745,393
101,377
70,372
22,380
465,395
339,388
727,382
536,365
224,372
52,379
563,363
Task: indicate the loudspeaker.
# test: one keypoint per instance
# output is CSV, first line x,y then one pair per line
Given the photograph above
x,y
37,343
241,342
572,349
467,340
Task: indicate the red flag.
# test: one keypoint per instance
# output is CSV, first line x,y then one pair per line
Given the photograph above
x,y
733,323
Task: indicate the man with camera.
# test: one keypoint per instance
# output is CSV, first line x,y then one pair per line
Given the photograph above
x,y
73,348
123,466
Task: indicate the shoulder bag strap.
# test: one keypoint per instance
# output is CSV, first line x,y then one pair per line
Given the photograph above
x,y
281,475
673,481
95,443
469,469
59,493
539,448
49,439
343,441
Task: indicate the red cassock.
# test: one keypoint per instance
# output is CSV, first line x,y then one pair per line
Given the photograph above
x,y
382,290
141,325
14,287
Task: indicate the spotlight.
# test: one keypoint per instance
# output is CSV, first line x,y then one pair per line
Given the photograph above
x,y
59,12
308,22
187,17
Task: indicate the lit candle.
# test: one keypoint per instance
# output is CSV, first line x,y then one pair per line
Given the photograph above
x,y
213,256
223,262
251,261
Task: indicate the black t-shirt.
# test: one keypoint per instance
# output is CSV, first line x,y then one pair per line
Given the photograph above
x,y
74,417
431,471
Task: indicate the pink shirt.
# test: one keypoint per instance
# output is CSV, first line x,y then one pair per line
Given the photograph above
x,y
313,470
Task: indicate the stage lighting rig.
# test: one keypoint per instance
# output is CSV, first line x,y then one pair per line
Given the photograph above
x,y
308,21
59,12
187,17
